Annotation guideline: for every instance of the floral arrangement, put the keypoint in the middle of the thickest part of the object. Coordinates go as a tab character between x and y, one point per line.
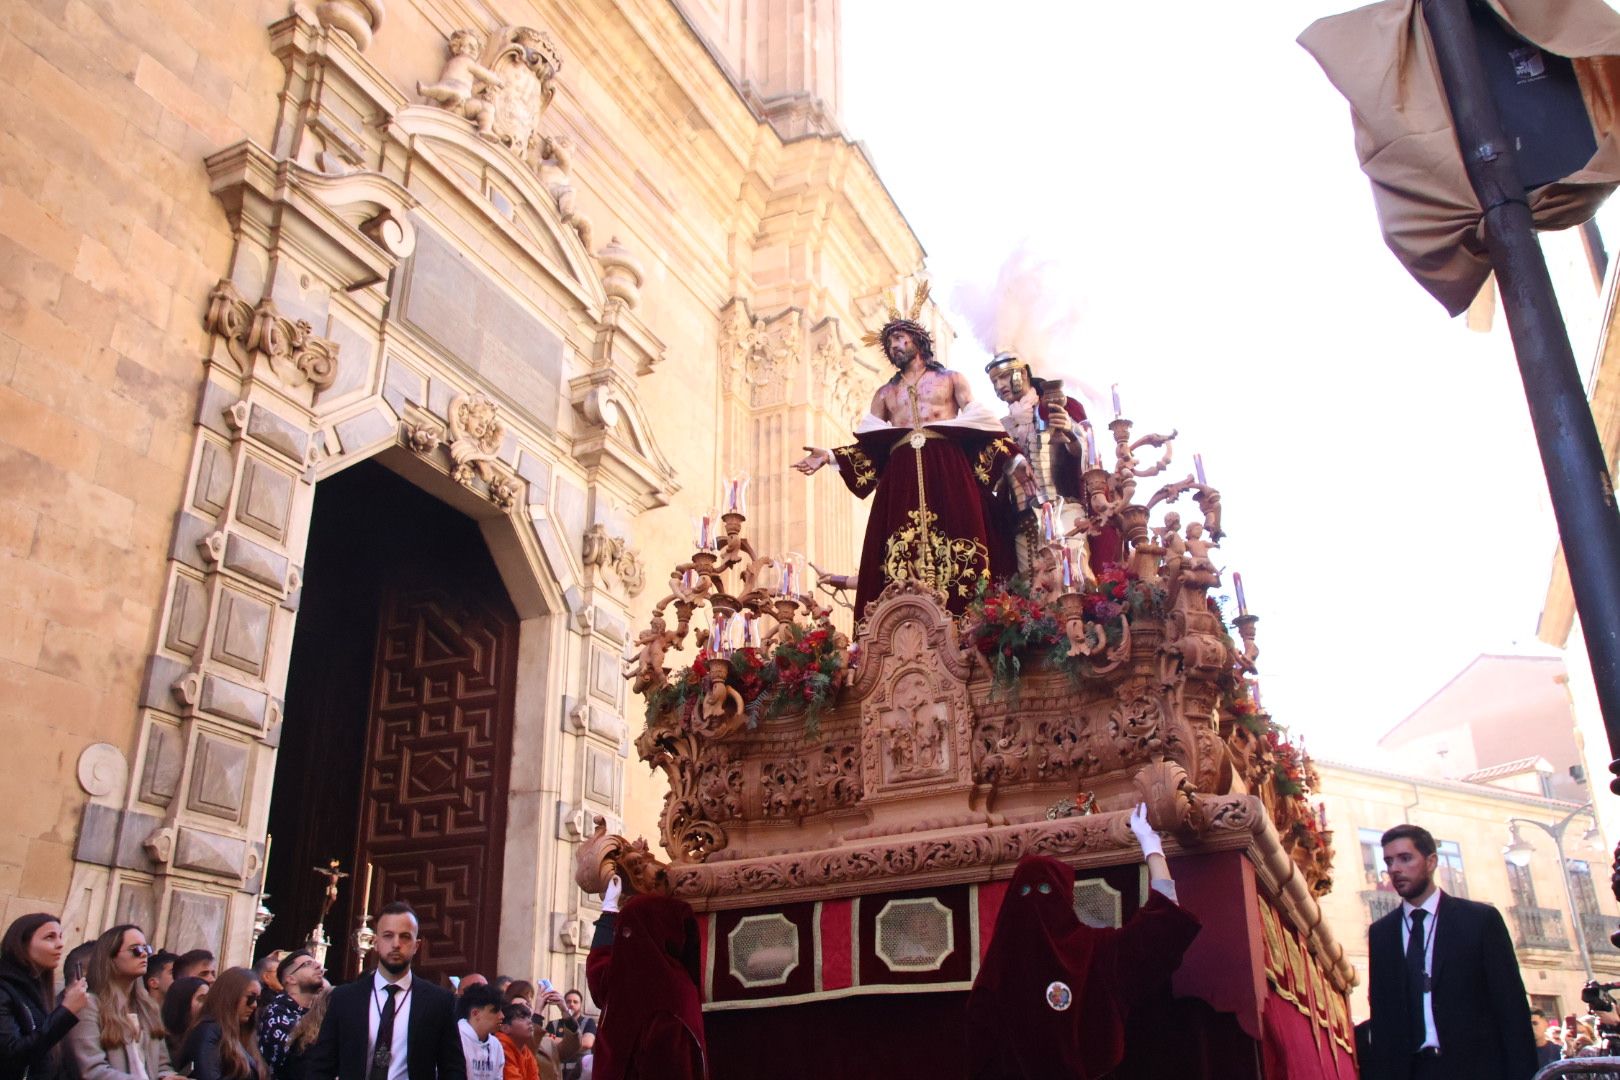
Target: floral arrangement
808	669
1007	625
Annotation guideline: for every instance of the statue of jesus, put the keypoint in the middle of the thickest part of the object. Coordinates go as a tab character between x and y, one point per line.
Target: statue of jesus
931	458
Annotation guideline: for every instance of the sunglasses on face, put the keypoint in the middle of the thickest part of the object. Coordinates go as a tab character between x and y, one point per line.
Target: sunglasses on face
251	1000
141	950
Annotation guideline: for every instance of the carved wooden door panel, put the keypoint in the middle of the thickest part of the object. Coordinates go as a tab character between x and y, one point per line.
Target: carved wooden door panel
433	816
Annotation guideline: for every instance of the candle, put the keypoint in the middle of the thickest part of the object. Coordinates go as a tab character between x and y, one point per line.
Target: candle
1321	816
365	902
1255	687
1048	522
736	494
1198	467
1117	412
1068	567
1091	444
750	632
704	534
689	579
792	573
1243	604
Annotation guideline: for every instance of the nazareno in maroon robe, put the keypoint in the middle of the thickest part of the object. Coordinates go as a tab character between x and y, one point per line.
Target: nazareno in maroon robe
1053	994
933	517
643	973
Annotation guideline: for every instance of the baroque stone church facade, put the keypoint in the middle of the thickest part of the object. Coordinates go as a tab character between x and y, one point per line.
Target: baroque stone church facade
364	363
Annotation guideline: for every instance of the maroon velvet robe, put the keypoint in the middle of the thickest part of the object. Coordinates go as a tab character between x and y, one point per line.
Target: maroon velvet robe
643	973
933	517
1019	1025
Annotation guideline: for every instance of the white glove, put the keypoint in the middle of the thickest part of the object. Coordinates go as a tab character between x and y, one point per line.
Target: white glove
610	895
1151	844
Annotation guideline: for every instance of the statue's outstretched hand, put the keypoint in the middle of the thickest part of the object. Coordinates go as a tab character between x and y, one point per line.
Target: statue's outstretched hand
1145	834
813	460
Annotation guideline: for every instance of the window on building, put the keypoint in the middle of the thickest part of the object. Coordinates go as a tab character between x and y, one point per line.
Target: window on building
1520	887
1585	892
1550	1006
1449	875
1372	860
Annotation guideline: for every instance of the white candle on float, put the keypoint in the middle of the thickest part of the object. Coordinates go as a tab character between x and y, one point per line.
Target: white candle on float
1068	567
1198	467
1117	411
1243	603
1091	445
735	495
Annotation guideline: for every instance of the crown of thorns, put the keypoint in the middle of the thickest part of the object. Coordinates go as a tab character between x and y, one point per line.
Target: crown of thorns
906	321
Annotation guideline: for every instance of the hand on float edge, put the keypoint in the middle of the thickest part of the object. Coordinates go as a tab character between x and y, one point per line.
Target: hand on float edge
610	895
1145	834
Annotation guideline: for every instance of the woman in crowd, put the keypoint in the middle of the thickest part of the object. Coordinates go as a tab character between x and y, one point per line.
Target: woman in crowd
32	1025
224	1042
182	1005
304	1033
119	1035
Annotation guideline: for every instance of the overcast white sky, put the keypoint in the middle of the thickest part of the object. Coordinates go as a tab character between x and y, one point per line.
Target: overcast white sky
1193	167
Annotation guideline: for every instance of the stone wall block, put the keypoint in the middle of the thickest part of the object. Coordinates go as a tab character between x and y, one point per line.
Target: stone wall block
215	473
231	700
242	631
163	764
188	614
219	777
209	853
265	500
602	775
196	921
257	562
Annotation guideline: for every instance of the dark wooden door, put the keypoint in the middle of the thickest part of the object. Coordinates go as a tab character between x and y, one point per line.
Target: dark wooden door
439	744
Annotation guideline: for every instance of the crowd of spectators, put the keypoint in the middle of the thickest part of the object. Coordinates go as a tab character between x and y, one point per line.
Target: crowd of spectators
128	1011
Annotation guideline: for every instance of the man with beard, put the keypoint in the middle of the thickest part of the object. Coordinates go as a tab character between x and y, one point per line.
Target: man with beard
302	978
1444	989
931	458
390	1026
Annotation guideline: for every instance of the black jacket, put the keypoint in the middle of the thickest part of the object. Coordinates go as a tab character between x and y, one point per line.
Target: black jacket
201	1053
30	1034
1481	1014
432	1047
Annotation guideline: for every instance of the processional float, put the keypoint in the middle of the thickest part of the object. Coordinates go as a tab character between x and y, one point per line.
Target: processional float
844	814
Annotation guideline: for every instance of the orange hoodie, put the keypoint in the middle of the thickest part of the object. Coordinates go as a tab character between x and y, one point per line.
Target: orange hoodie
521	1063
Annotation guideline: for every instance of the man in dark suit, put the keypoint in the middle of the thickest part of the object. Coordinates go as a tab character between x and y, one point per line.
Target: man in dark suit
1446	997
389	1025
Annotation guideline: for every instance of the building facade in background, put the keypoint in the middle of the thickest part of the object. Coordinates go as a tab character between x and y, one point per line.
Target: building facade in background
363	365
1469	821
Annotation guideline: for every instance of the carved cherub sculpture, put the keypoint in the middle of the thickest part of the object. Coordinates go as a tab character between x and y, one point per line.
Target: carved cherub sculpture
1046	578
647	666
457	85
556	172
1198	560
1085	638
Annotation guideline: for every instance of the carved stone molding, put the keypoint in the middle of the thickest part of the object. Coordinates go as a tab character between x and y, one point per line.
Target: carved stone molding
358	20
758	356
614	556
289	349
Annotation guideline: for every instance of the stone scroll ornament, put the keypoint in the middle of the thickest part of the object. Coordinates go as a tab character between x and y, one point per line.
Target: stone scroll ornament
606	855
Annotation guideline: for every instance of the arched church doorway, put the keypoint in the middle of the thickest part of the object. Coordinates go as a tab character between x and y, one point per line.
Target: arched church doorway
397	735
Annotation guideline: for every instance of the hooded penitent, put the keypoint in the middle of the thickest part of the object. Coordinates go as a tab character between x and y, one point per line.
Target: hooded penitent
1053	994
646	983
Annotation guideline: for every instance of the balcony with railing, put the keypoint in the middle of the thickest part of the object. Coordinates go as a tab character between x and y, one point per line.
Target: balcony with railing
1596	929
1539	928
1380	902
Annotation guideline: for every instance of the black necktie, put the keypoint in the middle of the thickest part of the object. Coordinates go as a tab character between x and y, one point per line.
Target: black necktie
382	1057
1416	979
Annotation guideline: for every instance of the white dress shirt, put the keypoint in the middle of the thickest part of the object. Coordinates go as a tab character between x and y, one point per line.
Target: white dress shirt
1431	1038
402	1022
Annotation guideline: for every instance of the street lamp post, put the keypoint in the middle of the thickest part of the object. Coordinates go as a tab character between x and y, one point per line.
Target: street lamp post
1518	853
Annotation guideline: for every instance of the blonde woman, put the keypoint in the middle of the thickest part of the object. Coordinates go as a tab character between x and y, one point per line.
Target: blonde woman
304	1033
119	1035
